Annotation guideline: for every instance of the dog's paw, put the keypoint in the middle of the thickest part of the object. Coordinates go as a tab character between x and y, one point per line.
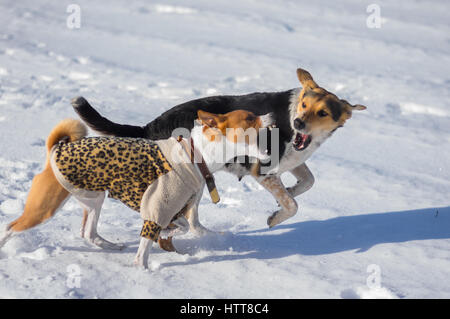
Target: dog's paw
140	264
271	221
166	244
104	244
290	190
200	230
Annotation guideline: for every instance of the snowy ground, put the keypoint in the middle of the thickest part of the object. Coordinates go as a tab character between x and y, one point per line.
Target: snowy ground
375	224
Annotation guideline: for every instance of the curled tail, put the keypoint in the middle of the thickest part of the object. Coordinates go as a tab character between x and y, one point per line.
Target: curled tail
69	129
46	194
101	124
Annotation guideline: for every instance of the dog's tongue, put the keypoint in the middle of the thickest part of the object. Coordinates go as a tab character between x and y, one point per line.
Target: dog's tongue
300	140
304	138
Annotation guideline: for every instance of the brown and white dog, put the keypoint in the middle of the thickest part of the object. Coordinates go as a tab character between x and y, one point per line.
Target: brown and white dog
305	118
79	166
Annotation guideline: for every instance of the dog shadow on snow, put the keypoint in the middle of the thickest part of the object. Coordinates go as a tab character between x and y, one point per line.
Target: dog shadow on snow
322	237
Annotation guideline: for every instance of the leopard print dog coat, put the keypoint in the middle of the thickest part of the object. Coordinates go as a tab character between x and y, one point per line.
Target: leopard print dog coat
127	168
122	166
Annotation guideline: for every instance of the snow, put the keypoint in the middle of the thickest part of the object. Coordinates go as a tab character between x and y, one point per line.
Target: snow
376	224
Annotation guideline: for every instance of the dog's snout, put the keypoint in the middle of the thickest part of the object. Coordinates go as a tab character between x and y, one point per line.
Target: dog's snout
299	124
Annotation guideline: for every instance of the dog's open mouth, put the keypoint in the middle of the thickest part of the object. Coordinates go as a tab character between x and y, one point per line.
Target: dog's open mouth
301	141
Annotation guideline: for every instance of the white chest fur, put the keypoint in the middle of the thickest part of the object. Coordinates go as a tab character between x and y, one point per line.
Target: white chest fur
293	158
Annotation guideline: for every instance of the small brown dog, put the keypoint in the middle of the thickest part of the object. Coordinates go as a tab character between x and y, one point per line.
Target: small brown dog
156	178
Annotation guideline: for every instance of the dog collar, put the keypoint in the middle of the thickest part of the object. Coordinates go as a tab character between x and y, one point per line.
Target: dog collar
203	168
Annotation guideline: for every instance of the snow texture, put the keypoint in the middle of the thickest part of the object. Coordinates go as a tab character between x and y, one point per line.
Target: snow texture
376	224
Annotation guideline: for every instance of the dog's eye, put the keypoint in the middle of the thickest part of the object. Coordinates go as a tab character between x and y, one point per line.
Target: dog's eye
322	113
303	105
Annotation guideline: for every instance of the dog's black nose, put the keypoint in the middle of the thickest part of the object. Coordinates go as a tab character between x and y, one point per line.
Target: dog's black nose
299	124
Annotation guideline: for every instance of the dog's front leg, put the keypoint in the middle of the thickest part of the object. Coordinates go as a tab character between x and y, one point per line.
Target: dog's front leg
305	180
192	216
288	204
190	212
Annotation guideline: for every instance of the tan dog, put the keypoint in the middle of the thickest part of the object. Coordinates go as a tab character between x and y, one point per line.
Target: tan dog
88	167
315	114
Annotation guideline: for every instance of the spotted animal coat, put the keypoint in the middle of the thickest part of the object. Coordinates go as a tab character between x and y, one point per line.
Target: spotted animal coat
135	171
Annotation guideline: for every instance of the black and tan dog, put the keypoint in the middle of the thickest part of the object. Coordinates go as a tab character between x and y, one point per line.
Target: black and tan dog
305	118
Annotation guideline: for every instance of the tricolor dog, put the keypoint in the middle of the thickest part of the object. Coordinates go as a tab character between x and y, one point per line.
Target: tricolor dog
305	118
160	179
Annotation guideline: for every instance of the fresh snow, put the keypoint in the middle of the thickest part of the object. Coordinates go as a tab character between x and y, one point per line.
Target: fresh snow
376	224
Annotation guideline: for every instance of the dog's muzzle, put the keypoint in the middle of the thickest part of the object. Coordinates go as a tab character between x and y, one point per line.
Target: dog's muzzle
299	124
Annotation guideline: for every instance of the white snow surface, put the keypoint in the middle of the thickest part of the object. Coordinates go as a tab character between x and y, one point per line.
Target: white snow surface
376	224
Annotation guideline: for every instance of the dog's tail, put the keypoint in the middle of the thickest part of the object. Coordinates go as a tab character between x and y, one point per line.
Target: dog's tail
101	124
46	194
69	129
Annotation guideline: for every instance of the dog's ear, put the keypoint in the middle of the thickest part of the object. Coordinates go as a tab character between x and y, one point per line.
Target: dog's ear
207	118
306	79
356	107
359	107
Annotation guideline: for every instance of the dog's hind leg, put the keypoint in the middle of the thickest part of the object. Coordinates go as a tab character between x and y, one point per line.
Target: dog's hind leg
45	197
288	204
92	206
305	180
83	222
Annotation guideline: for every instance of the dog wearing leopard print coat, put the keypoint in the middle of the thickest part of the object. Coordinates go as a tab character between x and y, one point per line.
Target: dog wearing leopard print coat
155	178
